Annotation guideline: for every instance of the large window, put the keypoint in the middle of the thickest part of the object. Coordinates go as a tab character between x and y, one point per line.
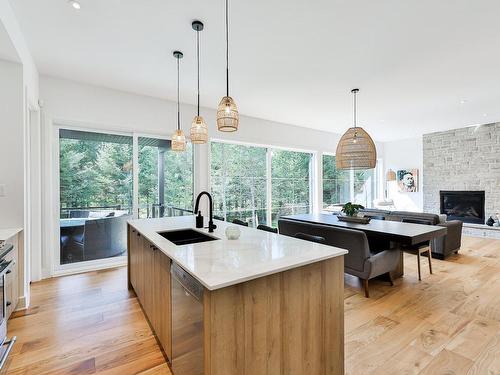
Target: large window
238	177
364	187
95	172
342	186
291	183
336	183
258	184
165	179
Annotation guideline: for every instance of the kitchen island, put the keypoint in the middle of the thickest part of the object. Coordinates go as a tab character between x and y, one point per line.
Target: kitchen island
261	304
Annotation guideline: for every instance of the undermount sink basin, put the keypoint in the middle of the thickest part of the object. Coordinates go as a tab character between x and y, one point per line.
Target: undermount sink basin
186	236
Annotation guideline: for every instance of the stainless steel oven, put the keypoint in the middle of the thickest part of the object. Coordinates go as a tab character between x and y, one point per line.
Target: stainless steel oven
6	345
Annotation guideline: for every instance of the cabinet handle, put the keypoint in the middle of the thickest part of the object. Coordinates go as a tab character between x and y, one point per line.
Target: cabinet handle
8	271
8	303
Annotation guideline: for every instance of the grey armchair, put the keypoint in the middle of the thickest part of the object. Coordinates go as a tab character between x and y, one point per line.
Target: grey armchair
360	261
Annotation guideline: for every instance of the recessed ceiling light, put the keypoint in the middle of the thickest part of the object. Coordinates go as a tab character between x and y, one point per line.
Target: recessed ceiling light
75	4
463	101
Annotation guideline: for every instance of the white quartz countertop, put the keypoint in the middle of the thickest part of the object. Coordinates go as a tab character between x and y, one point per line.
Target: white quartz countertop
7	233
221	263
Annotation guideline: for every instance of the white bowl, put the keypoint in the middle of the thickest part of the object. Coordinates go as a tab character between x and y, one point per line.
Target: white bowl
233	232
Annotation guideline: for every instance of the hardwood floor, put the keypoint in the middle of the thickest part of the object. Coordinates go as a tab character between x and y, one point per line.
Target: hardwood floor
449	323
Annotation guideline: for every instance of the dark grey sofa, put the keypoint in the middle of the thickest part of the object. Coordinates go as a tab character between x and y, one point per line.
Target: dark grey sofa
360	261
441	247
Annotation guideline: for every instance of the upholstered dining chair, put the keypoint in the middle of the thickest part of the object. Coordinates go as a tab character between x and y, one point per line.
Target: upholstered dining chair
419	248
359	261
267	229
240	222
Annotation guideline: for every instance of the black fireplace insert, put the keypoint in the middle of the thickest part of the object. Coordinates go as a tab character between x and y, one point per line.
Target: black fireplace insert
467	206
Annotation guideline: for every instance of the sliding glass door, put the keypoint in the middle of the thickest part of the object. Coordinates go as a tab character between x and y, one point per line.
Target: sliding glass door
165	179
95	179
96	195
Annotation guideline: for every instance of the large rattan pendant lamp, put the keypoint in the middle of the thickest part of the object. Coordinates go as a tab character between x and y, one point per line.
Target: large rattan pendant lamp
356	149
199	130
178	139
227	113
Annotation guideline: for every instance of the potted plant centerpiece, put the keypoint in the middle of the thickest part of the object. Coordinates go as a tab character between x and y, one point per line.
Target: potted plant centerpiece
350	213
351	209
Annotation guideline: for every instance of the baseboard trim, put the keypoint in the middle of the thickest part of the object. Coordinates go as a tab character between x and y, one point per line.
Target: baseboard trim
89	268
22	303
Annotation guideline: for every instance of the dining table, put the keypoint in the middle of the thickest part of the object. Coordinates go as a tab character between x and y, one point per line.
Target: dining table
399	233
72	222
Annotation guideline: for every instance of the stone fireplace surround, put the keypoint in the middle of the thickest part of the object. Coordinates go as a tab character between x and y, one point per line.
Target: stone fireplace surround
463	159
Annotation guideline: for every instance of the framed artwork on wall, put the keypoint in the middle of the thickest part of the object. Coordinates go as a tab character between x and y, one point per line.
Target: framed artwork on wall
407	180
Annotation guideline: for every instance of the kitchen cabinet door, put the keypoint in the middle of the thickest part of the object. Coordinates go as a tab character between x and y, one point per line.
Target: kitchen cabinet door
133	259
162	302
148	280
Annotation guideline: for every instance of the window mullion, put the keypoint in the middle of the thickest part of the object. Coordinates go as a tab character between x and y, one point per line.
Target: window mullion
269	190
351	184
135	176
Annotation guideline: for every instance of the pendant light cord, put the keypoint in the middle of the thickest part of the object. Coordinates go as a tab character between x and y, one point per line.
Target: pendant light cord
227	48
178	97
198	59
355	107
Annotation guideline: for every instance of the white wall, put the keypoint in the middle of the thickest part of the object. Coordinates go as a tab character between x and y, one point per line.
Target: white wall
20	140
404	154
102	107
30	72
11	148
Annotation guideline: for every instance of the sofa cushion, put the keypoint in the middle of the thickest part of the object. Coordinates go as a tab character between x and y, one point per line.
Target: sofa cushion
374	212
433	219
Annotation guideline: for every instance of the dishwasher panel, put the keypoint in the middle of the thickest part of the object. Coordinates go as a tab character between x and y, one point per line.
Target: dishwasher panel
187	323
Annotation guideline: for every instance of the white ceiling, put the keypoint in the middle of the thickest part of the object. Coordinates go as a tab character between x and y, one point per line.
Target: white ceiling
292	61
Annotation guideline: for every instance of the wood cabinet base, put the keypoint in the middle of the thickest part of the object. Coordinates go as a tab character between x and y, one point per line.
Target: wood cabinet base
286	323
289	323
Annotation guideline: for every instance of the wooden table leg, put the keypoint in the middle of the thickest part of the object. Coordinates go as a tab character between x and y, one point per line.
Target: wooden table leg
429	254
418	264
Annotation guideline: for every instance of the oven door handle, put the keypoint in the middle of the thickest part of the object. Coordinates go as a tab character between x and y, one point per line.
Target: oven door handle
6	353
6	269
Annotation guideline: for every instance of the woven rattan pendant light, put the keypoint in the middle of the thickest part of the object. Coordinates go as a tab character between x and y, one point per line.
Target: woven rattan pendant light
228	117
178	138
199	130
356	149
